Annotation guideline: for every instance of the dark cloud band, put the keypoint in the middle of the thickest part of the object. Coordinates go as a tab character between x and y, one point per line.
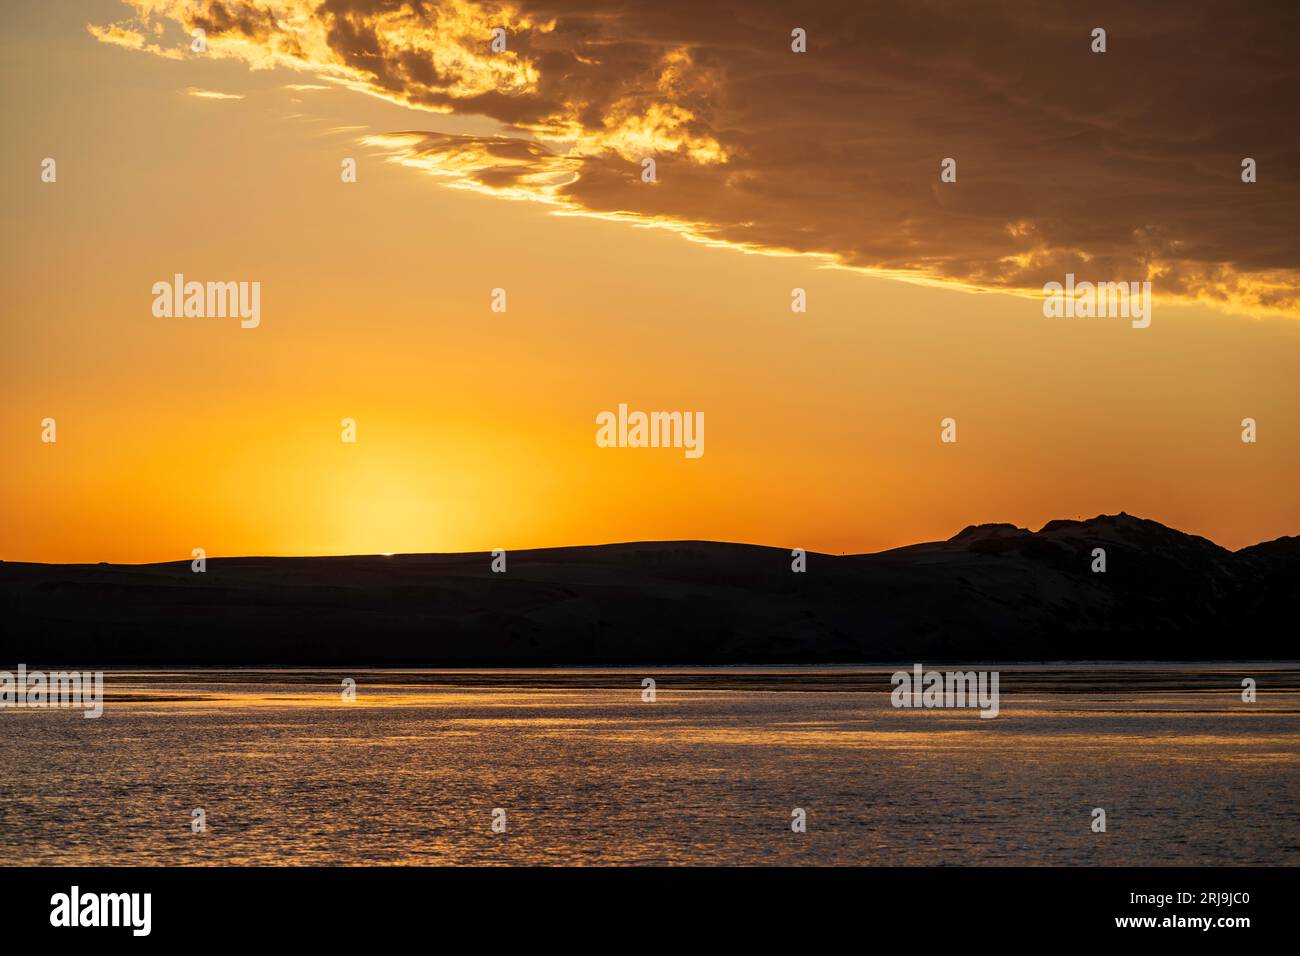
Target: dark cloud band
1121	166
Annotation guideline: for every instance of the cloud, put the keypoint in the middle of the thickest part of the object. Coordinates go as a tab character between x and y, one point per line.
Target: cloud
211	94
1123	165
116	35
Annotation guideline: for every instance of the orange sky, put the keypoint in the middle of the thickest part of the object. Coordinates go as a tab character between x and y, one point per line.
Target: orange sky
475	429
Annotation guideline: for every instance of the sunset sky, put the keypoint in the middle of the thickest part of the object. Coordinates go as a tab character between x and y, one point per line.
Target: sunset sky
776	170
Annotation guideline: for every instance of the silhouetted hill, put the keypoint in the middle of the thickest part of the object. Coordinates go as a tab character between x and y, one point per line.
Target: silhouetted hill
991	592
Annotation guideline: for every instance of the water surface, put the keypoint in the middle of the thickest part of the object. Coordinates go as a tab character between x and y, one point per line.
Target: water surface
288	773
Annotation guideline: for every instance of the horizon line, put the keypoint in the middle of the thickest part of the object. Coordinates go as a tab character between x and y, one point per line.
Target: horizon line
648	541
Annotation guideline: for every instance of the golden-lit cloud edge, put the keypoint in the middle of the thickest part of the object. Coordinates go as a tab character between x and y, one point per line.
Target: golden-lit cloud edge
1124	169
202	94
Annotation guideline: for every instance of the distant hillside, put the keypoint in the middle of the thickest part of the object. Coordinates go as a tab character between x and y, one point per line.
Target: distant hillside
991	592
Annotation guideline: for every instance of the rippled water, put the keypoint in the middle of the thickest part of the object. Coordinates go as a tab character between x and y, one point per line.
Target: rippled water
409	773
